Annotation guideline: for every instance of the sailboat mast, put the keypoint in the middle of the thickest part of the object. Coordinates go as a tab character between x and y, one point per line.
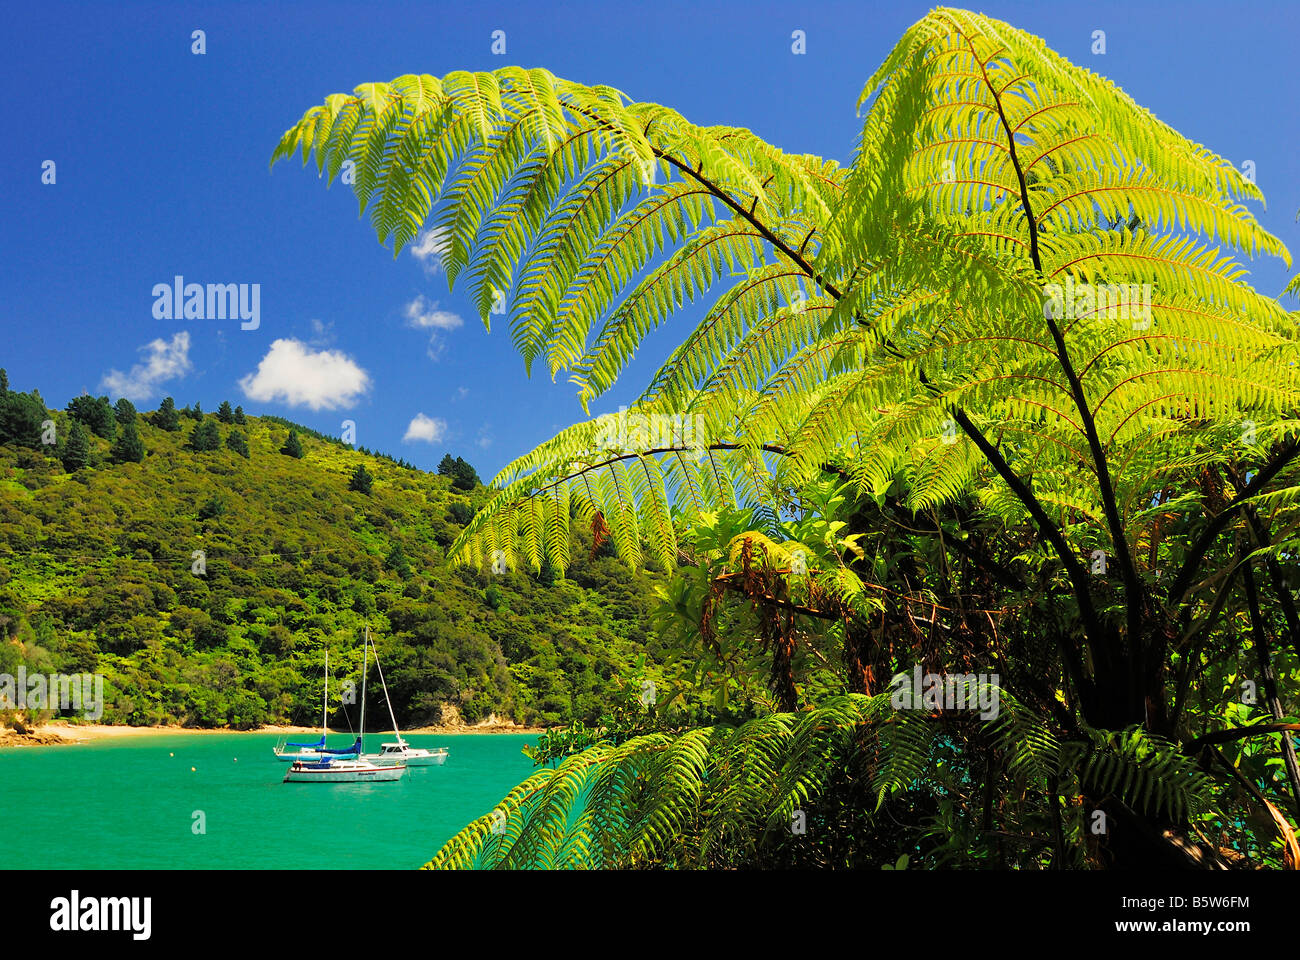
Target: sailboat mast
325	697
365	650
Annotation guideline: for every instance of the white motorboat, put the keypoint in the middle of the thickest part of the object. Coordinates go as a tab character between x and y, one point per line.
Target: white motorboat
414	756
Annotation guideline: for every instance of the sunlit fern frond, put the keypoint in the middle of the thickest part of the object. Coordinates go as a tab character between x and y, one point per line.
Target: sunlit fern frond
1016	242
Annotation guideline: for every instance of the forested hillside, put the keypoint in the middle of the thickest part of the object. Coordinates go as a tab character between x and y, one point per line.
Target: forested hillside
203	562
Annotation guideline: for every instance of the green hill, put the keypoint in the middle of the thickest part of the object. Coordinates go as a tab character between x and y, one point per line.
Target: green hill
97	574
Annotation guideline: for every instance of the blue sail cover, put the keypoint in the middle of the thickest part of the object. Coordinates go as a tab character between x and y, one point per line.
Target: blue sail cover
319	743
354	749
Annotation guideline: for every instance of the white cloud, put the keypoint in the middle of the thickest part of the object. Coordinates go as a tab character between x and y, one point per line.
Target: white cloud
301	377
423	315
484	439
427	429
430	247
163	361
323	333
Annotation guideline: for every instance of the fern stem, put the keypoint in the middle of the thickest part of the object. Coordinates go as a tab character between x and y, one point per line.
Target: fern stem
1134	594
1238	733
1263	539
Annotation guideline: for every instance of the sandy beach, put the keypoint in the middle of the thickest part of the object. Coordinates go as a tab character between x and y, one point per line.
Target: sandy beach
54	733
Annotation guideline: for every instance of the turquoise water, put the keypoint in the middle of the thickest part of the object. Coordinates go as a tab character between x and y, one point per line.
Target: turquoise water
129	803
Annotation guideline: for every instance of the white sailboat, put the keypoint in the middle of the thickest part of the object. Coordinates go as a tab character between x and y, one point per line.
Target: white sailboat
401	751
334	770
334	766
289	752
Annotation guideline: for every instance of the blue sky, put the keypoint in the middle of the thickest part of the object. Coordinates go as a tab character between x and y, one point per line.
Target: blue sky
161	170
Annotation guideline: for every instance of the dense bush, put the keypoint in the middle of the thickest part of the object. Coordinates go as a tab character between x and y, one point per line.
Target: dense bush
101	576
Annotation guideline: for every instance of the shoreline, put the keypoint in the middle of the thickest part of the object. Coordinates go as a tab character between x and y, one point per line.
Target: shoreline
59	732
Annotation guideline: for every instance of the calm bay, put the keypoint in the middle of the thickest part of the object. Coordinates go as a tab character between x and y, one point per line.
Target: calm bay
138	802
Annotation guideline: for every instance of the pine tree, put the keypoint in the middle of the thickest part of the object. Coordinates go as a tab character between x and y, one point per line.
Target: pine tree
361	480
205	436
238	443
124	411
166	418
293	447
4	381
128	448
96	413
463	476
224	413
105	418
466	477
21	418
239	416
397	560
77	452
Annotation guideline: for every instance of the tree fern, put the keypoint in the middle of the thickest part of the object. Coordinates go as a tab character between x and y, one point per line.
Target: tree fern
1024	298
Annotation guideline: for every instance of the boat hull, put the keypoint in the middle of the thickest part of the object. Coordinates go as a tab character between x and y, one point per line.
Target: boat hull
306	756
330	773
433	758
